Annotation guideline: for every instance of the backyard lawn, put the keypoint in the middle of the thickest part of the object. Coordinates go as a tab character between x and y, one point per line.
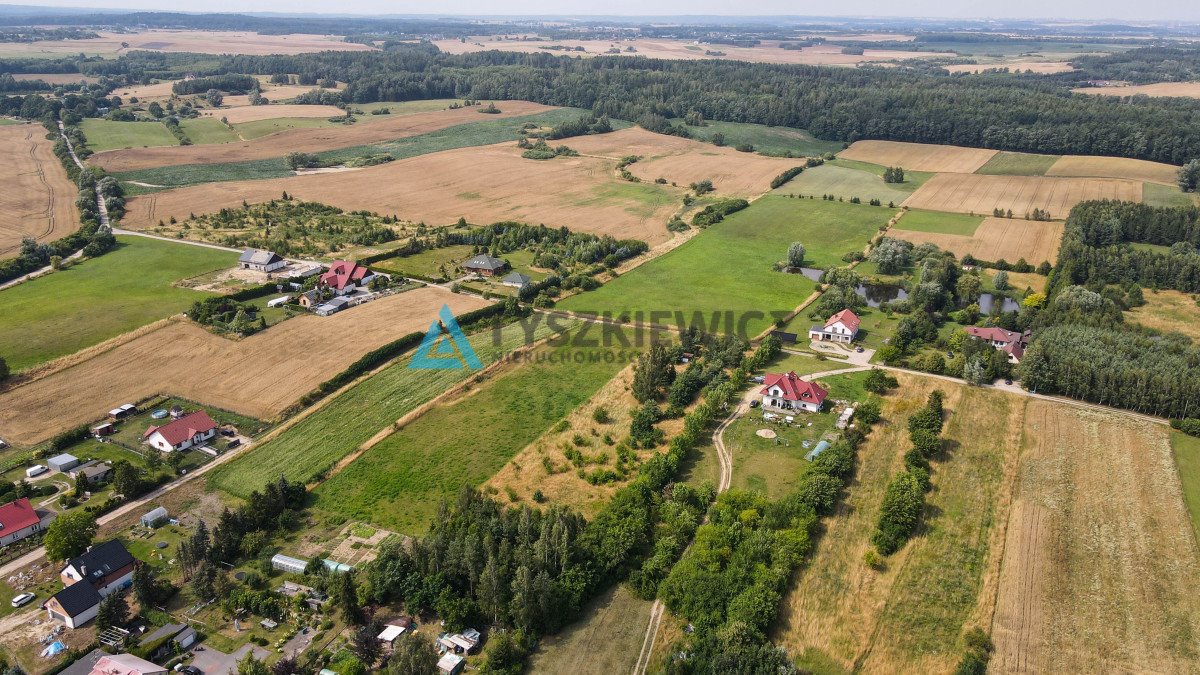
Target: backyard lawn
729	266
97	299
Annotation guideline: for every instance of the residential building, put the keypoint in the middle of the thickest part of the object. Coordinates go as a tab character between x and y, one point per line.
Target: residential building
841	327
186	432
516	280
18	520
1010	342
485	265
344	276
103	569
126	664
787	392
92	471
262	261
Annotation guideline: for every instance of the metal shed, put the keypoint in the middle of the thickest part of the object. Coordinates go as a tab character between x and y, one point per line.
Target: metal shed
63	462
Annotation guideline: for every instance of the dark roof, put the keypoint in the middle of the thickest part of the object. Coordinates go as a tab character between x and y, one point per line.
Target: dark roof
515	278
168	630
84	664
484	262
77	598
258	257
102	559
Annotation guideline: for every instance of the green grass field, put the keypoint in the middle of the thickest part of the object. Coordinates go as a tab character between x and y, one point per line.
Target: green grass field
316	443
846	179
107	135
485	132
260	128
4	121
728	267
939	222
1018	164
206	130
100	298
1156	194
1187	459
403	107
775	141
428	263
399	483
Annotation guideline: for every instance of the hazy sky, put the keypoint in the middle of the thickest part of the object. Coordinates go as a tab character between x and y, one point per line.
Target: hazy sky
1182	10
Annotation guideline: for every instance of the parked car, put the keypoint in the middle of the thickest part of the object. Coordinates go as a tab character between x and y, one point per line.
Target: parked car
23	599
753	404
1008	380
858	349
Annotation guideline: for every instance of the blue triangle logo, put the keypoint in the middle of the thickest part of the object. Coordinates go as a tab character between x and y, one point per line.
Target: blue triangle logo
447	350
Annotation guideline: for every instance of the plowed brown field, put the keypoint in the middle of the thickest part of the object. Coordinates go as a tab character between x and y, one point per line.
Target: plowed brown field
303	140
258	376
996	238
980	194
37	198
482	184
919	156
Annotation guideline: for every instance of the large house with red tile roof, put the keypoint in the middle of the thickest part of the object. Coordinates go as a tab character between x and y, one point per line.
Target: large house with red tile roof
841	327
18	519
343	276
188	431
788	392
1010	342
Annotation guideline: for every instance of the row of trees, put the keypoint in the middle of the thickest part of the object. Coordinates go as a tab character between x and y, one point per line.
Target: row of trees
904	498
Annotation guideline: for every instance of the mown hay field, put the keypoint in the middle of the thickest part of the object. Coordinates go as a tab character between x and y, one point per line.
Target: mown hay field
340	427
1182	89
481	184
258	376
305	140
919	156
1094	576
980	194
994	239
38	199
606	639
1115	167
253	113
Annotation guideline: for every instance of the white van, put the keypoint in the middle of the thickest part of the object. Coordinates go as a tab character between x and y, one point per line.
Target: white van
35	470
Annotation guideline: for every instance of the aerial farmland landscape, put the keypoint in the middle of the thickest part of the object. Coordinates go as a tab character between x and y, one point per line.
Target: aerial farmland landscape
428	339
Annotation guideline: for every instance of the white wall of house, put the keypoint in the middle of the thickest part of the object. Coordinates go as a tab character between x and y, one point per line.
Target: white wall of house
157	441
76	621
18	535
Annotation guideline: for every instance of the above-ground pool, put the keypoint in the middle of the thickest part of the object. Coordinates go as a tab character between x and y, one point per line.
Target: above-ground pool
159	414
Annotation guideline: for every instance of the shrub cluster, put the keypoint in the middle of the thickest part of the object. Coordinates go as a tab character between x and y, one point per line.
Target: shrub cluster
905	495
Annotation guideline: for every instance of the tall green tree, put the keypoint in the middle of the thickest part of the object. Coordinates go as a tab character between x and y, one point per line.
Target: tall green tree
413	654
69	535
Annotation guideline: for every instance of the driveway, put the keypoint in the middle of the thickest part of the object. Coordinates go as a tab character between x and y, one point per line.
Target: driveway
212	662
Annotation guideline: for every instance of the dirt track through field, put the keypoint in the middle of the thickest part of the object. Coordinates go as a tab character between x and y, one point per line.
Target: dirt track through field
995	239
37	199
1100	561
483	184
919	156
305	139
981	194
258	376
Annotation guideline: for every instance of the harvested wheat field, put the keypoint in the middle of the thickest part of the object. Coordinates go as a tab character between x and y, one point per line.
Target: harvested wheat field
38	199
304	140
1096	577
908	616
981	194
684	161
253	113
918	156
1039	67
482	184
995	239
1115	167
201	41
258	376
1182	89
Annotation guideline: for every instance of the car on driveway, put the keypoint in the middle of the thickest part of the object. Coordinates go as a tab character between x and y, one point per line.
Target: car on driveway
1008	381
858	349
23	599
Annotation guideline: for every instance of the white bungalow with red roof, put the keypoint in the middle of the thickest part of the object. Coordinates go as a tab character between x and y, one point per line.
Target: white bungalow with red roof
186	432
788	392
841	327
344	276
18	519
1010	342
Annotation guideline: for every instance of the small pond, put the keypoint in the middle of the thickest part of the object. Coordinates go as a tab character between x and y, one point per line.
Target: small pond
877	294
988	300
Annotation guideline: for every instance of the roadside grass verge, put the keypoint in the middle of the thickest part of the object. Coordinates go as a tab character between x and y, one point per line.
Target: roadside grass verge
729	266
100	298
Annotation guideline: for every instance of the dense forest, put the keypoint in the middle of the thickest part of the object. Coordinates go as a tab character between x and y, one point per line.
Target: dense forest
1139	66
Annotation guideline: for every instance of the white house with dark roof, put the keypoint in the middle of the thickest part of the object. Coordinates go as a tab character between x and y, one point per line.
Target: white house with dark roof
103	569
262	261
516	280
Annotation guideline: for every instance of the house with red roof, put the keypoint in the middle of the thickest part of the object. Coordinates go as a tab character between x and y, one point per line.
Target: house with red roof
18	519
1010	342
188	431
841	327
787	392
344	276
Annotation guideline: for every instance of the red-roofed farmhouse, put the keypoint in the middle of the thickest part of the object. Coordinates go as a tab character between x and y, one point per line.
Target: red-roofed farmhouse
789	392
841	327
187	431
19	520
1010	342
344	276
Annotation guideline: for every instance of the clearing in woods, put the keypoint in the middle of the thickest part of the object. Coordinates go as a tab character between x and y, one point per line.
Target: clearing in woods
919	156
399	482
606	639
38	199
258	376
1018	164
979	194
1093	575
483	184
1081	166
305	140
995	239
100	298
1169	311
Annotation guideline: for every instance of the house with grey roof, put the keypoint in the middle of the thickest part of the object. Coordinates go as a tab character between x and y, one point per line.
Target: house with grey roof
516	280
262	261
485	265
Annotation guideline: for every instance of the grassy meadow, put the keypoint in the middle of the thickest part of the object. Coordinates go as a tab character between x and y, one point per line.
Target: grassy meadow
1018	164
206	130
1157	194
1170	312
775	141
399	483
108	135
848	178
728	267
939	222
100	298
1187	458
